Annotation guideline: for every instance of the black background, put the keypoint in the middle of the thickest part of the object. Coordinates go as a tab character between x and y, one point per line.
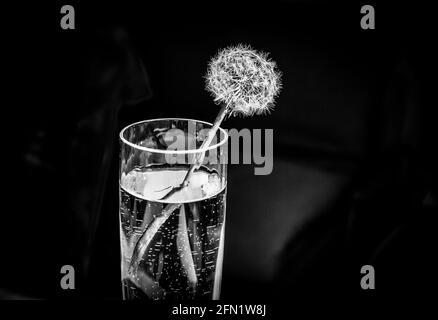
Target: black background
354	178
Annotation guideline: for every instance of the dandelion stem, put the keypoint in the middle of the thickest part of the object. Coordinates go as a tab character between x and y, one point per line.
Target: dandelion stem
199	158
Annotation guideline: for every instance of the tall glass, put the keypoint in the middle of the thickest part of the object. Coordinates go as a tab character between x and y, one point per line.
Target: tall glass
172	237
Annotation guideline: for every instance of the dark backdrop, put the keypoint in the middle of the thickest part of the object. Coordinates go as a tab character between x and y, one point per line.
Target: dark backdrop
354	179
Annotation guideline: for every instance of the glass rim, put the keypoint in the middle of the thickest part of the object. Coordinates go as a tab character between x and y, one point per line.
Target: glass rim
191	151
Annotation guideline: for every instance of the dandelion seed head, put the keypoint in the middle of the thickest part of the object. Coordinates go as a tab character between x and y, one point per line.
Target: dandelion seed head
244	79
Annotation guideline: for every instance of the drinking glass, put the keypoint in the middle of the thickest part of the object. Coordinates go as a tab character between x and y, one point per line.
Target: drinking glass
172	235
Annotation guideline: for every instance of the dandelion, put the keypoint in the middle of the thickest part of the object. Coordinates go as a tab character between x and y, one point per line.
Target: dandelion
243	79
246	82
